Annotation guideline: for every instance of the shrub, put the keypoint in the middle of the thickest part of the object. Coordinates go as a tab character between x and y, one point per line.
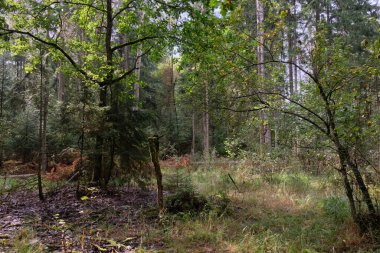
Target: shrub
185	200
218	203
336	207
189	201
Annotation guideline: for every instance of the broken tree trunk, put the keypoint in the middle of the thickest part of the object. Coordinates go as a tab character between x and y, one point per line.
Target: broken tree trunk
154	147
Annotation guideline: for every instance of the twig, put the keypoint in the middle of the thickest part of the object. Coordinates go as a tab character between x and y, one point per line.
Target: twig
232	180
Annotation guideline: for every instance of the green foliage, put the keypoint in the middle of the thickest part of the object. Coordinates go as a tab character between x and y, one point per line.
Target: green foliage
178	180
185	201
23	136
234	147
189	201
218	203
336	207
290	181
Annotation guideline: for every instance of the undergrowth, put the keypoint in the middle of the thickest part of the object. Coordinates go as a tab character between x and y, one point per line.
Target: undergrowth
276	211
243	209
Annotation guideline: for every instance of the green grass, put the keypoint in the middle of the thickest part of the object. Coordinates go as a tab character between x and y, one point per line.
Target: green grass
269	212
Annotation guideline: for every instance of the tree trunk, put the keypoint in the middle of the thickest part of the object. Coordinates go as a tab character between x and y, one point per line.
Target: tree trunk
265	135
290	58
154	148
2	86
60	85
1	105
173	105
206	122
347	186
42	130
294	46
98	167
136	86
193	134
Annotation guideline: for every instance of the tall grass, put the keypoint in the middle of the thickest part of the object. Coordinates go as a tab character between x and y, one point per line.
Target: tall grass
276	211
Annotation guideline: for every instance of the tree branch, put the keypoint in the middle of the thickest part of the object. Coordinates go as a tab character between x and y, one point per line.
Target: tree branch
126	7
242	110
73	3
167	4
130	71
299	104
55	46
129	43
305	119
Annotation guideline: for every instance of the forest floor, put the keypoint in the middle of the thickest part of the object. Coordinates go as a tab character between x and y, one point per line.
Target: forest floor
100	221
269	210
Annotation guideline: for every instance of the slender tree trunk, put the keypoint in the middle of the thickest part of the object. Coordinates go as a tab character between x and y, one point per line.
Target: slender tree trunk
344	154
42	132
347	186
290	58
136	86
1	106
60	85
174	105
98	168
154	148
2	86
193	135
265	135
345	160
295	58
80	167
206	123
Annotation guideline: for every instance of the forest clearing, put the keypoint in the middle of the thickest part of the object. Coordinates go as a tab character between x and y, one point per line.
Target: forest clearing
277	208
190	126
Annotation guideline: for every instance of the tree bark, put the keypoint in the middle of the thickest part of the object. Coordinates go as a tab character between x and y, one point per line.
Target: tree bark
265	135
295	45
98	168
42	128
290	58
154	148
193	134
136	86
1	105
206	123
60	85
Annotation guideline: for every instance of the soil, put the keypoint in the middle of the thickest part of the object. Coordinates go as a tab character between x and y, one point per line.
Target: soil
15	167
100	221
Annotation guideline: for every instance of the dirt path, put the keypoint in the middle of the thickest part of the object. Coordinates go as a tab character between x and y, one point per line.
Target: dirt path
112	221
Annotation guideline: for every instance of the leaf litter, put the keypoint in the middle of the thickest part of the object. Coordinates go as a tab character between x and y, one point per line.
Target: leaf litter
112	220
